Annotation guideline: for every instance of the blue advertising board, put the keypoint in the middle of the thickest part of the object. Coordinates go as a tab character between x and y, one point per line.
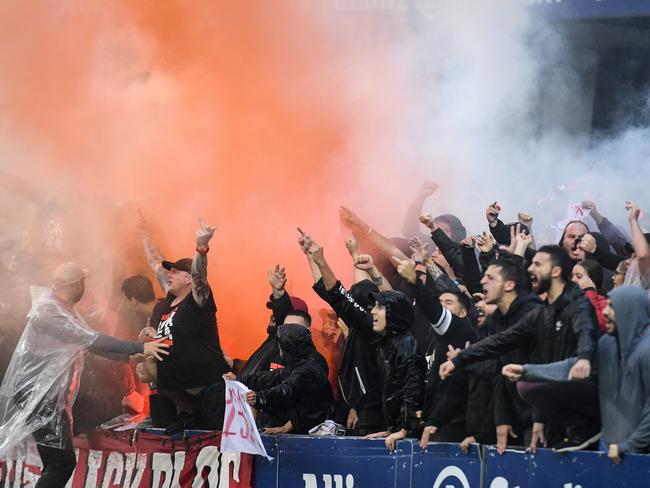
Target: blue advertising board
446	466
508	470
313	462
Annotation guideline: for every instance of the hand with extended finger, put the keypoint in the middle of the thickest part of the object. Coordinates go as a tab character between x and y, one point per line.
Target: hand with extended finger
406	269
305	241
484	243
634	210
428	431
353	247
523	242
203	234
503	432
316	253
537	437
419	249
492	213
277	278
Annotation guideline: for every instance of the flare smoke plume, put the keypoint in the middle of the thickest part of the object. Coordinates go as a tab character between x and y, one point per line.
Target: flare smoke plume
260	116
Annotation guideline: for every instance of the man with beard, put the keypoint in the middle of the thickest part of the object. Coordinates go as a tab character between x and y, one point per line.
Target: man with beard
624	385
504	286
565	326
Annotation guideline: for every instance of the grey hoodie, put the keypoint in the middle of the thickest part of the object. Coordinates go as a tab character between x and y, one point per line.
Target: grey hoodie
624	376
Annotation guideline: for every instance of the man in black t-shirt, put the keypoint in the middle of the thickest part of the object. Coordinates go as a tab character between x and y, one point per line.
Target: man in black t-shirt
194	376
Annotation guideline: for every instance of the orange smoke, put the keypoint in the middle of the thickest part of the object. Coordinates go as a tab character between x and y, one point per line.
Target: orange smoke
237	112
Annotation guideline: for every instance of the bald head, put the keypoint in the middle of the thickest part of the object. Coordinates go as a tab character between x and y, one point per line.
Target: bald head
68	282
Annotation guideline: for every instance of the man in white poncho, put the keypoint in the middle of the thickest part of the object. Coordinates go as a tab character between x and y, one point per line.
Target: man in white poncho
42	381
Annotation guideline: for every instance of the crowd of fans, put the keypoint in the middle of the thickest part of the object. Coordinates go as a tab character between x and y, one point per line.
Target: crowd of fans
443	337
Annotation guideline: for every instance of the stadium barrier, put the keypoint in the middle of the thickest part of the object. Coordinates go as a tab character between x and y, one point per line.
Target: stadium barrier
151	460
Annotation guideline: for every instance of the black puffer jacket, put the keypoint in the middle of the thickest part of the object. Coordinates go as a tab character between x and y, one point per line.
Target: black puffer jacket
304	390
565	328
401	368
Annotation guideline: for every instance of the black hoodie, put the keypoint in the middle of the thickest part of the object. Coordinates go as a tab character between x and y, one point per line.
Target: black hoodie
358	373
304	390
401	368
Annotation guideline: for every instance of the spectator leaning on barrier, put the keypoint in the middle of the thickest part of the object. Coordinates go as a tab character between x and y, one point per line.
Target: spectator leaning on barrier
566	326
624	375
401	368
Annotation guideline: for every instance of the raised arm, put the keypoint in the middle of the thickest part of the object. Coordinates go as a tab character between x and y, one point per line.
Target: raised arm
200	287
364	233
365	263
151	253
411	226
615	237
639	242
305	243
360	274
449	249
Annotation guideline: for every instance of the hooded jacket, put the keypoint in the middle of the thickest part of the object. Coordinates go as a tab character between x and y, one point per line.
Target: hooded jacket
304	390
358	373
624	373
401	368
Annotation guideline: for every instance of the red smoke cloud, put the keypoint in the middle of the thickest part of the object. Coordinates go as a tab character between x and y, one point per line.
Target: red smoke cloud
237	112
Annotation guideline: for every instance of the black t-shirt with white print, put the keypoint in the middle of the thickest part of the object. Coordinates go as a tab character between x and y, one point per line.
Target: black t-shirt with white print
195	357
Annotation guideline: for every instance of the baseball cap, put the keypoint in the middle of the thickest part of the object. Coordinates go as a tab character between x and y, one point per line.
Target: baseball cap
67	274
184	264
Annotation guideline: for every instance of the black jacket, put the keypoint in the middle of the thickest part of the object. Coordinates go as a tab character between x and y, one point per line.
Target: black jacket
358	373
401	368
450	250
567	327
449	330
302	388
470	397
509	407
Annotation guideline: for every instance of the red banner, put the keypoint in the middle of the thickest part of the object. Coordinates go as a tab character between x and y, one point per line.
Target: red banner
133	460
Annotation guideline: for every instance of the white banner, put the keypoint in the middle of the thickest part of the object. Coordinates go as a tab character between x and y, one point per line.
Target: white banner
239	430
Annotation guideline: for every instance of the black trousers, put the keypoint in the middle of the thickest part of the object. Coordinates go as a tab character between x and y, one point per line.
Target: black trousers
58	466
58	462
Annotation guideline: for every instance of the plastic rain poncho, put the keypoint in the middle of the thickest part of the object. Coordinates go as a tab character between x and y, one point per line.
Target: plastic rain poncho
41	383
